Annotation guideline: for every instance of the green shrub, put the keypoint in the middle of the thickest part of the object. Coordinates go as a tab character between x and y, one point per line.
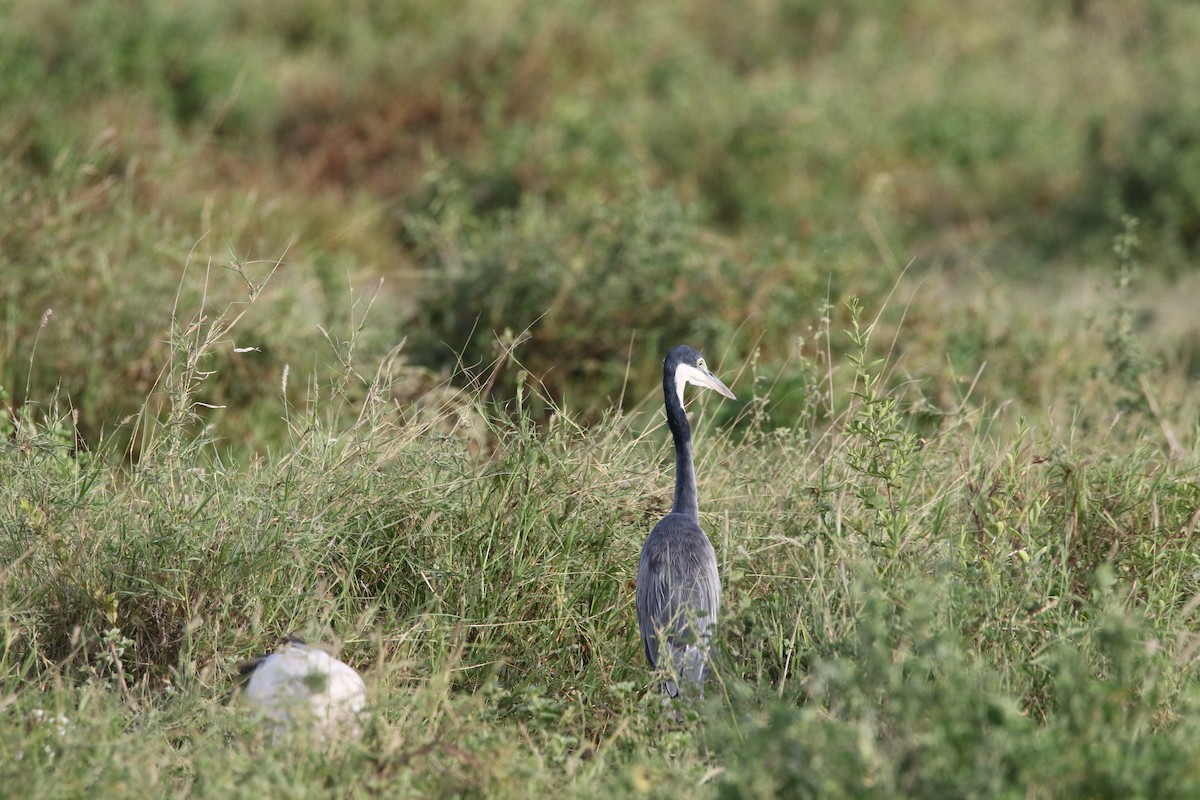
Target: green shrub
1149	167
581	294
904	709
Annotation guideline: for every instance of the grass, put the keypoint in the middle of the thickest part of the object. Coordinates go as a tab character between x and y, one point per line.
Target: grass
347	321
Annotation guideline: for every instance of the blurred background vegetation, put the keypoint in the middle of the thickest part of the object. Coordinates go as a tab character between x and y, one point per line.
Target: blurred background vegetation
592	182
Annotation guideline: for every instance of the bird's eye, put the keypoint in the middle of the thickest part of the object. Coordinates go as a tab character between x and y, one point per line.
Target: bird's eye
700	363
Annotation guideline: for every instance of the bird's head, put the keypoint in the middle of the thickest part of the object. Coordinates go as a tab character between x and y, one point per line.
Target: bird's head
685	364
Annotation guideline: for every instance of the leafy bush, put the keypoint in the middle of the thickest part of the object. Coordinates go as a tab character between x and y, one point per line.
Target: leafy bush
1149	167
581	294
904	709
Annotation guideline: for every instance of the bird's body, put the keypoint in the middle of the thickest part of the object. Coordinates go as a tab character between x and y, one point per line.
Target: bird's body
679	595
300	686
678	588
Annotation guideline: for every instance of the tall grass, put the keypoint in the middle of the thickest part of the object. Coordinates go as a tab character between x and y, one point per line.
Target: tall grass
910	607
347	321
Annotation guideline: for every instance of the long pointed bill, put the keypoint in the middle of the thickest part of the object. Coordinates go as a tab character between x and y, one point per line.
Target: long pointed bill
686	373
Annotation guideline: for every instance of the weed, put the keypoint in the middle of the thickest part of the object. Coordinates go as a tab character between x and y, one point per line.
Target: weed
879	446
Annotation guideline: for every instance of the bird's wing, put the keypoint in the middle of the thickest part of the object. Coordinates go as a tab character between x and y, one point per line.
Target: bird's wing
678	590
651	598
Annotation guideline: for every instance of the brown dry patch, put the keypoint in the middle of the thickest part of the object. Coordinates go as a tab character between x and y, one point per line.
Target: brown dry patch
374	141
376	137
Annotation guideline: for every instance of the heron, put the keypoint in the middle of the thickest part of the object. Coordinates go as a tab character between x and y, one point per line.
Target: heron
678	588
301	687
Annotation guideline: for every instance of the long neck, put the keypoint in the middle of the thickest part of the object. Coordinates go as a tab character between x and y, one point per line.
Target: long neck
681	432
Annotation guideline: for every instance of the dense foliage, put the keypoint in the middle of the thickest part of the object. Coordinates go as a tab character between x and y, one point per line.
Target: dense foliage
346	319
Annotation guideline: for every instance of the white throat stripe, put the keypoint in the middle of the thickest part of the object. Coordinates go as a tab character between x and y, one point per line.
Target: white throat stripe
685	374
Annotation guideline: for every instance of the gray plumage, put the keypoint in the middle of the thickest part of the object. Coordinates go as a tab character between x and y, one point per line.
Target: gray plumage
678	588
